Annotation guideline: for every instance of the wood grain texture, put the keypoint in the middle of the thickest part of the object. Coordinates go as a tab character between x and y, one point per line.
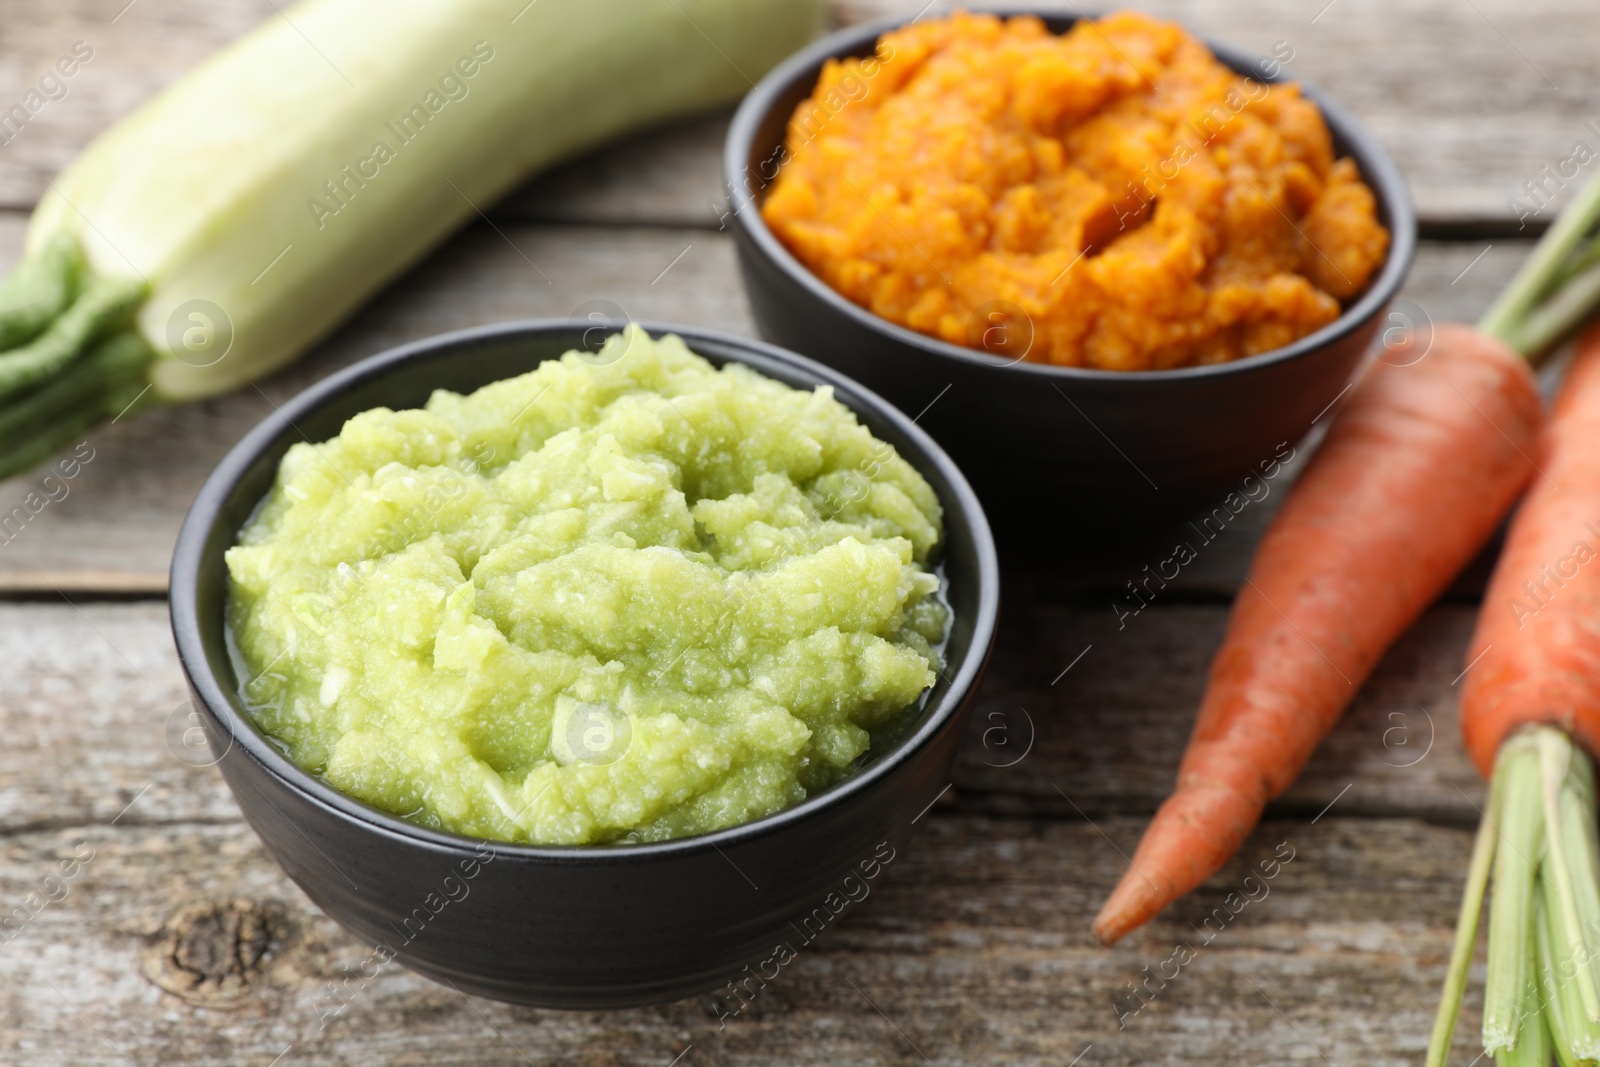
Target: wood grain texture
1472	99
122	512
1103	711
975	947
180	942
94	711
972	949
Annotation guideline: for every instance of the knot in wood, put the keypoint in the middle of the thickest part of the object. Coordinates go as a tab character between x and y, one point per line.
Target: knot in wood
210	952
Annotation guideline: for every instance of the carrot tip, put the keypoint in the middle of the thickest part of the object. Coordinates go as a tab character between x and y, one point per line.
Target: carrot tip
1106	934
1132	904
1192	835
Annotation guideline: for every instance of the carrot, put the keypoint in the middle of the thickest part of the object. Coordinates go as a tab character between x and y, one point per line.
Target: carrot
1536	652
1413	477
1533	687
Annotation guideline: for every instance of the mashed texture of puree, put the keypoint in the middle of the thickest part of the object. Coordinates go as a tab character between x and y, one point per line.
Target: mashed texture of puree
1113	197
625	595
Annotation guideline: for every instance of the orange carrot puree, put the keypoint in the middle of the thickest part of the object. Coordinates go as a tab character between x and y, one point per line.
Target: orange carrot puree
1115	193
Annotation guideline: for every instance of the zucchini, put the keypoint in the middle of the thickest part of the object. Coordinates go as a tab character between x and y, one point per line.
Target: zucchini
237	217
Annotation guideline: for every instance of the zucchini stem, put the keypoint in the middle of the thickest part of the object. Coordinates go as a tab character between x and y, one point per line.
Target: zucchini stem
104	304
70	353
39	290
95	388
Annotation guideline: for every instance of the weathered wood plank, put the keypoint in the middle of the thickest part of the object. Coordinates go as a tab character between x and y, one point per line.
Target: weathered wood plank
87	703
122	512
680	183
1473	99
1103	737
1080	717
976	946
973	948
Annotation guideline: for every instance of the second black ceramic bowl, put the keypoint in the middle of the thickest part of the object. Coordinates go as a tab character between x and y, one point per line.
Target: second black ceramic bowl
1103	448
590	926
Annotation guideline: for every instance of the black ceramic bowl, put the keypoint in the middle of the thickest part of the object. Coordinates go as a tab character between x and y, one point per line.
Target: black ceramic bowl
589	926
1109	448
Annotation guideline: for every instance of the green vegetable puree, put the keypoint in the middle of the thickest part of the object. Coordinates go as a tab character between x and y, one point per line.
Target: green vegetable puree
625	596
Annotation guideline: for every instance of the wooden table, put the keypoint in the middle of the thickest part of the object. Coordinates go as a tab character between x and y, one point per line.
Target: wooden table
180	942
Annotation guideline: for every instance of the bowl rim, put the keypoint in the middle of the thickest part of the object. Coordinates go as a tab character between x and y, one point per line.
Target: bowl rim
1378	170
222	705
